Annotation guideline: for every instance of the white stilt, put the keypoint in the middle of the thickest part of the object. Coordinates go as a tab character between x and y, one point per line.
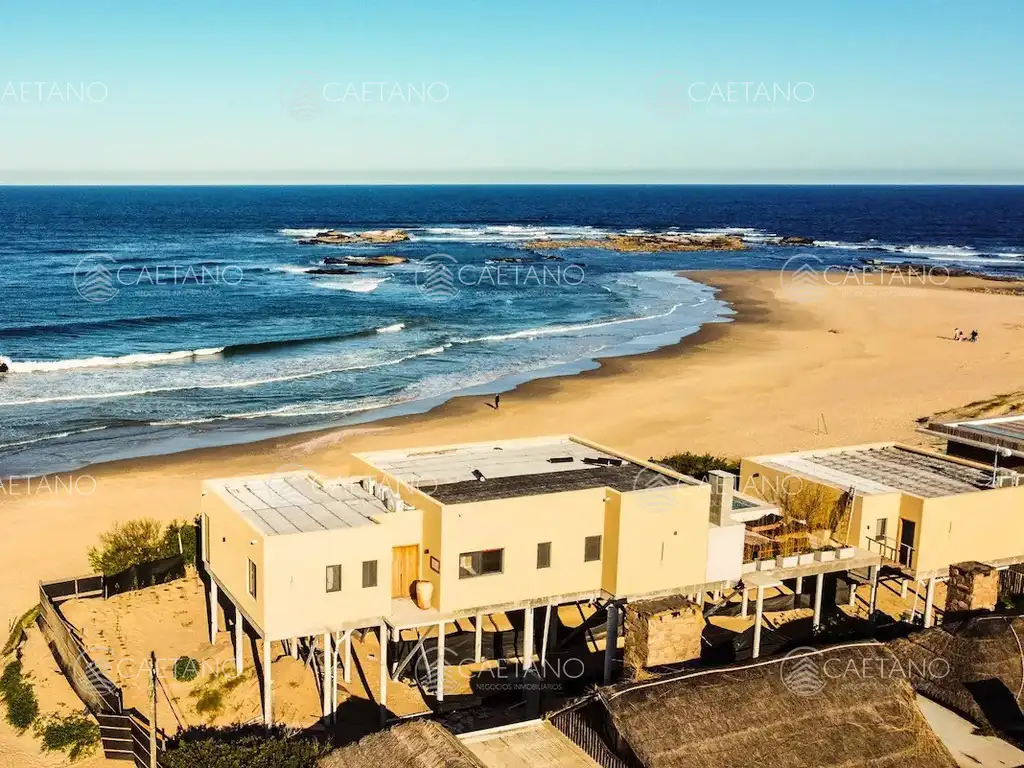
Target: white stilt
528	638
328	651
213	611
479	646
903	588
758	613
238	639
799	584
293	647
853	593
348	656
440	661
611	641
334	676
268	702
544	640
819	587
700	598
382	699
929	603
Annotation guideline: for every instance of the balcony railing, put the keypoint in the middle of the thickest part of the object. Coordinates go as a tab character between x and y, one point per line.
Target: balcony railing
892	550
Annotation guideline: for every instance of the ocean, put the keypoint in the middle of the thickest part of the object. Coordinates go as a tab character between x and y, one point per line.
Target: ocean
147	320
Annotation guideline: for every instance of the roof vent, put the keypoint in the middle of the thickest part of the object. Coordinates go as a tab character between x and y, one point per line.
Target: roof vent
479	475
560	459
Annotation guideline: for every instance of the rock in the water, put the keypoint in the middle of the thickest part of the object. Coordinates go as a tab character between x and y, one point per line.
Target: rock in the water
366	261
334	237
648	243
795	240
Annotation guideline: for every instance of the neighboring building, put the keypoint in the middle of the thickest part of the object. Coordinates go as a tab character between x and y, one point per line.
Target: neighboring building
997	442
498	526
922	511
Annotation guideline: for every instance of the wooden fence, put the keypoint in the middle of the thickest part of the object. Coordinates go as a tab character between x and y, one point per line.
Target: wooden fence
586	724
1011	582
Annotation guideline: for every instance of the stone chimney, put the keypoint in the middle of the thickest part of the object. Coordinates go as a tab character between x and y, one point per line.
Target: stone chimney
972	587
723	485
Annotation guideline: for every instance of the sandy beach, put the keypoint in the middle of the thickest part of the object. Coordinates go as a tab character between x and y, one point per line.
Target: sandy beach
796	369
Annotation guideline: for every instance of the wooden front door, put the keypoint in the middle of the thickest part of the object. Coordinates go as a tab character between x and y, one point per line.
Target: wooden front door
405	569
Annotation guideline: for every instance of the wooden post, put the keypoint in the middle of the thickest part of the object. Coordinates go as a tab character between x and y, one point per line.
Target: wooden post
479	637
440	661
819	587
152	721
268	702
758	613
238	639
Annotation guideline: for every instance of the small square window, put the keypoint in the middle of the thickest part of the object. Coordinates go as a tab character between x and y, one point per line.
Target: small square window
473	564
544	554
881	528
369	574
252	579
592	549
334	578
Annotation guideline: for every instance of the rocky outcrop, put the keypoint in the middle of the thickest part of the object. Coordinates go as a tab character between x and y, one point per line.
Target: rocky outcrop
795	240
332	271
334	237
366	261
647	243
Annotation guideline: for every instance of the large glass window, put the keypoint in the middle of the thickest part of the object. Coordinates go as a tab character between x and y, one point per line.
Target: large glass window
472	564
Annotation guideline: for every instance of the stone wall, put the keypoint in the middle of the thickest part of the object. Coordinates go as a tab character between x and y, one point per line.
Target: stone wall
665	630
971	587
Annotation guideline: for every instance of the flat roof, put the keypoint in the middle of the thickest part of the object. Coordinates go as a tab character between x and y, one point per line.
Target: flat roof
884	469
513	468
998	432
298	503
529	745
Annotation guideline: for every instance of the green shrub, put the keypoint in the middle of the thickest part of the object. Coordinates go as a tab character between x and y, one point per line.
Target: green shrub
698	465
19	697
186	669
75	734
134	542
18	630
241	747
210	702
180	537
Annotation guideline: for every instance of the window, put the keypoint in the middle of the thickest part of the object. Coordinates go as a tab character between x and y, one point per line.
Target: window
544	554
334	578
252	579
881	528
472	564
592	549
369	574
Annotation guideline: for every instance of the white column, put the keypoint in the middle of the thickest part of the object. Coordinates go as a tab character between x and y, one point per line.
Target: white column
874	589
238	639
213	611
348	656
268	706
382	699
334	678
544	640
929	603
528	638
903	588
328	650
819	587
293	647
758	612
853	593
478	622
799	584
611	642
743	603
700	597
440	661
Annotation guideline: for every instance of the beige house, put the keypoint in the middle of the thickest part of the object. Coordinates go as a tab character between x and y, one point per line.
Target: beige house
921	511
507	525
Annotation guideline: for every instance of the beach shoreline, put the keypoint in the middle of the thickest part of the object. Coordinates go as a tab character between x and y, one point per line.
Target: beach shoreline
846	365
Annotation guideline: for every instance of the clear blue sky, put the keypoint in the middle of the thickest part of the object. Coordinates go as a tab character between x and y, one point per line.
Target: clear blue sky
537	90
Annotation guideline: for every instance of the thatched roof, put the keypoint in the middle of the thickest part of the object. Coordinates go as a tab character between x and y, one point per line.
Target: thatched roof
416	744
974	667
744	715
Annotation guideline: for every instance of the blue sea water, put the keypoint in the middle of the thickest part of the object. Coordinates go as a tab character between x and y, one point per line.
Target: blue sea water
148	320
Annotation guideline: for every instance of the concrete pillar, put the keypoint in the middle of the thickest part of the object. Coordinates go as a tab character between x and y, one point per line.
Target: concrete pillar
479	644
611	640
873	597
929	603
819	588
328	652
758	613
213	611
744	601
440	661
382	699
268	704
348	656
238	639
903	588
853	593
799	585
544	640
293	647
528	638
700	598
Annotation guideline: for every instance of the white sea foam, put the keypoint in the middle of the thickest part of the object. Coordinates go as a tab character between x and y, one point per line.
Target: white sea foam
358	285
939	252
531	333
55	436
392	328
302	232
141	358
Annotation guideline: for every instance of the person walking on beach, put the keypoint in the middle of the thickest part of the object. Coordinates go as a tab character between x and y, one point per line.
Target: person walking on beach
957	334
974	335
497	401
